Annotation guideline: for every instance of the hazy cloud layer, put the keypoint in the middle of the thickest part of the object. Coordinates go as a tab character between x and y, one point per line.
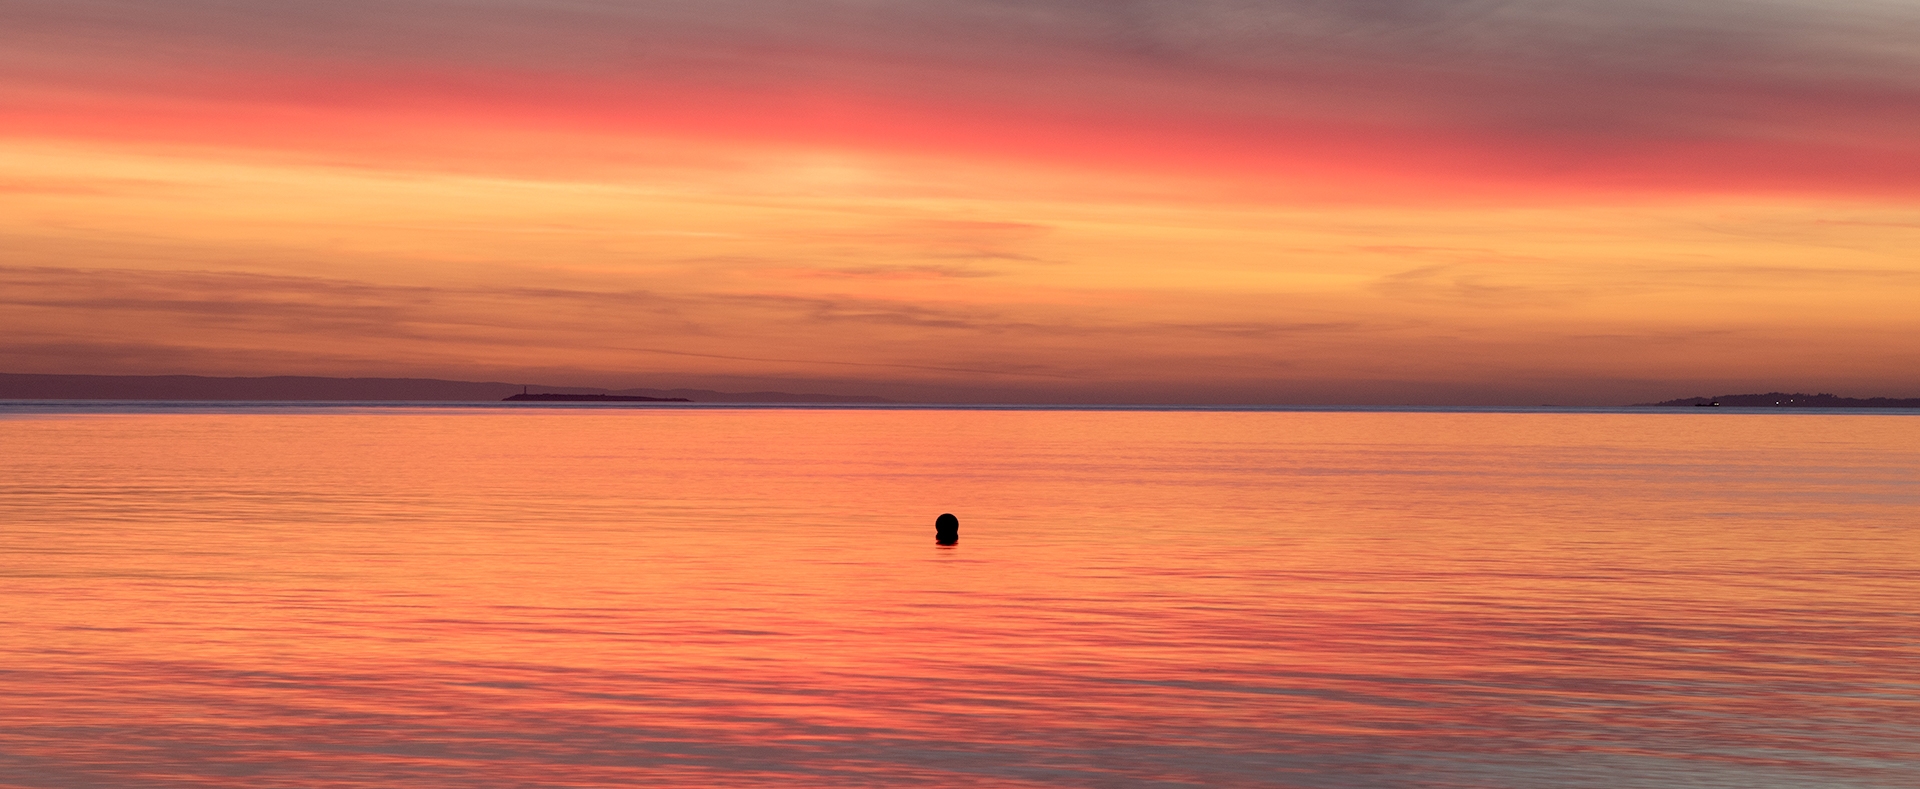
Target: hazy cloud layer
222	323
1702	94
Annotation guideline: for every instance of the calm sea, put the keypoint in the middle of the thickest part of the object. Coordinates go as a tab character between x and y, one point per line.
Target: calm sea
358	596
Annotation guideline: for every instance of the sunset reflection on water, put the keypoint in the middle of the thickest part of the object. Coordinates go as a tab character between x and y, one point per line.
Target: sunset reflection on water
726	597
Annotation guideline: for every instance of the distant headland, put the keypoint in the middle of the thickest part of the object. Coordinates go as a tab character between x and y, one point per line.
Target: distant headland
1786	400
25	386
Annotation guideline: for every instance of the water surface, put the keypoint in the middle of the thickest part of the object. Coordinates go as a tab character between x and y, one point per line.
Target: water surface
564	597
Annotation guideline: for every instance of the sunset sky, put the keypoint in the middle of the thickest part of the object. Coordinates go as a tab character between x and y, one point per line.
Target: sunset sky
1263	201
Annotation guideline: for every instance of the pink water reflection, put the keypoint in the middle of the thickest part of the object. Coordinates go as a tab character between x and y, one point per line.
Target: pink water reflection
740	598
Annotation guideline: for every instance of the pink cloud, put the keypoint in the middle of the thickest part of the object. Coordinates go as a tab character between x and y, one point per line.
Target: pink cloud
1427	97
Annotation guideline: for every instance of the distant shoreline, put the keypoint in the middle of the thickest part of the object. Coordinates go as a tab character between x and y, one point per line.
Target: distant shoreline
315	389
33	386
1785	400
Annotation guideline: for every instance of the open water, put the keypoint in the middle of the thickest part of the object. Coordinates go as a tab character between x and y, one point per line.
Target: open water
347	596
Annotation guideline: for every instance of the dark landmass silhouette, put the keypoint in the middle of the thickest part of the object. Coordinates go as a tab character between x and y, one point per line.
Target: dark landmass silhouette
30	386
551	397
1793	400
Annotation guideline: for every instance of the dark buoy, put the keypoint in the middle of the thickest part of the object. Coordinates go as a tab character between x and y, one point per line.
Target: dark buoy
946	529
